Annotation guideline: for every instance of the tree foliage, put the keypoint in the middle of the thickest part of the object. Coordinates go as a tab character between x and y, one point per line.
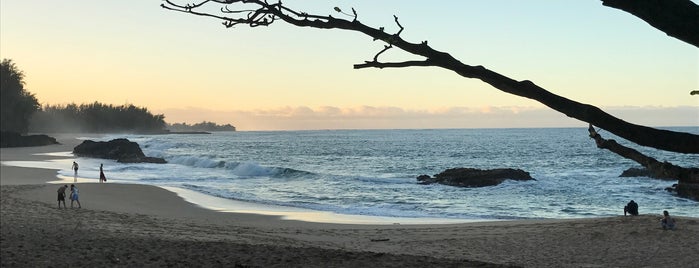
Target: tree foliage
203	126
16	103
97	118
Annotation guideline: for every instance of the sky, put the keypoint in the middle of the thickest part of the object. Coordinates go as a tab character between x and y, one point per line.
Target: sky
192	68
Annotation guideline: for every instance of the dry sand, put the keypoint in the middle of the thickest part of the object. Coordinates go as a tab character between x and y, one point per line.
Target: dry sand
139	225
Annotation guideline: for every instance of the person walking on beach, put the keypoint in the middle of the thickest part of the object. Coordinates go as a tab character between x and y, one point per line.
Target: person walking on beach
102	177
75	168
667	222
62	196
74	196
631	208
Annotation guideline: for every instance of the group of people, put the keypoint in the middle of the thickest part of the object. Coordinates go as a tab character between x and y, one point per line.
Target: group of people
74	196
666	222
75	176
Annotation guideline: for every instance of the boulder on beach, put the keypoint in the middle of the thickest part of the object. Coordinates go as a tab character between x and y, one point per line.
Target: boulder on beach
472	177
122	150
14	139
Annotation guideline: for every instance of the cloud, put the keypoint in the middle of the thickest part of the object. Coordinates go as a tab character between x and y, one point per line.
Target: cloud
387	117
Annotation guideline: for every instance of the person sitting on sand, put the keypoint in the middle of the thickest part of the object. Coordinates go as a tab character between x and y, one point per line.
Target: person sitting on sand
667	222
74	196
62	195
631	208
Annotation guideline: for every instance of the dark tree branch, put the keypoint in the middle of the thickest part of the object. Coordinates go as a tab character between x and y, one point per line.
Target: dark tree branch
688	178
676	18
381	65
642	135
376	57
185	7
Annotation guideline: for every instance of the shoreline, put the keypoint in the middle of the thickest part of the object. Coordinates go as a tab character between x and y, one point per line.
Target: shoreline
212	203
133	224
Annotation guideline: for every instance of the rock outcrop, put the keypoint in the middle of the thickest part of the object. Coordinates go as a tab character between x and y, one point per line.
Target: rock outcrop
14	139
472	177
636	172
122	150
688	188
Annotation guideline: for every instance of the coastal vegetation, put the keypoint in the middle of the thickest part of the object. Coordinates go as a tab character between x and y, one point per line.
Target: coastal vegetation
96	118
16	103
203	126
22	113
675	18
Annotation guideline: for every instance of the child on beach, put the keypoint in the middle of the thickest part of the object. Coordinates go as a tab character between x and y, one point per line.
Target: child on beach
667	222
62	195
74	196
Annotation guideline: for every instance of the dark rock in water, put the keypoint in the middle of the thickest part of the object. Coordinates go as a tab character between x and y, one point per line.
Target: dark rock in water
472	177
122	150
687	188
645	172
636	172
14	139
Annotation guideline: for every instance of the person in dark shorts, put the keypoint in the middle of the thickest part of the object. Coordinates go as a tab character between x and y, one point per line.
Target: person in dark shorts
62	196
631	208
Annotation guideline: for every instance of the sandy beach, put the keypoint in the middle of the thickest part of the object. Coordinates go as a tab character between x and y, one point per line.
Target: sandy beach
140	225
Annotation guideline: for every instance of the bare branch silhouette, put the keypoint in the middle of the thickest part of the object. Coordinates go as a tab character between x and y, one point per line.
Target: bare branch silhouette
264	14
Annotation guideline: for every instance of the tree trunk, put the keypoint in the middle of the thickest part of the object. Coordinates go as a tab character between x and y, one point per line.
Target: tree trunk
677	18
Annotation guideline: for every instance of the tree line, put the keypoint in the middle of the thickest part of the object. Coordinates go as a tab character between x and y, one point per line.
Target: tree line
20	112
203	126
96	118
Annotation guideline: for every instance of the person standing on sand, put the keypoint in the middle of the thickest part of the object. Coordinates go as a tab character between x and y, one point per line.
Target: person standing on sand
631	208
75	168
102	177
74	196
62	196
667	222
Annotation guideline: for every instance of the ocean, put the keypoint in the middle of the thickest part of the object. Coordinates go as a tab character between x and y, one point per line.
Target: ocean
373	172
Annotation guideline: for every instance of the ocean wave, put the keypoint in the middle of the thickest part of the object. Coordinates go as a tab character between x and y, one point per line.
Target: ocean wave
239	169
196	161
141	167
573	178
252	169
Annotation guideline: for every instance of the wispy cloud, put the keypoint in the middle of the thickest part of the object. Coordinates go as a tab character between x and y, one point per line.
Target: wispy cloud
373	117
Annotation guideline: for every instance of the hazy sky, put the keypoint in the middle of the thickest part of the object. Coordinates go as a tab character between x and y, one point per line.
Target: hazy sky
192	68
